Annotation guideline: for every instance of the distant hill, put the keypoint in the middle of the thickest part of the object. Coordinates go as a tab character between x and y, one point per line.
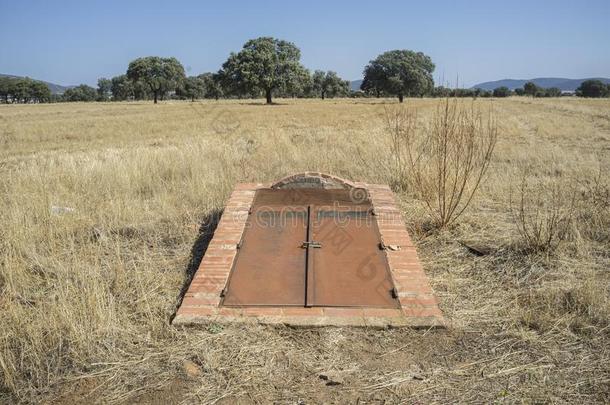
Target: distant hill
55	88
355	85
546	82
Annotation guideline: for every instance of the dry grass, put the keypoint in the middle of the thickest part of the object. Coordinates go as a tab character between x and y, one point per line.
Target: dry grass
544	213
86	294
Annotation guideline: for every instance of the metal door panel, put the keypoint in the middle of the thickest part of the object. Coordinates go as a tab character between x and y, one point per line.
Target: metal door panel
349	270
270	265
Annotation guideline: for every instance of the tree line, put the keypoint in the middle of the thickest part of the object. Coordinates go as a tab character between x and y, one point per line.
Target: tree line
269	67
265	67
23	90
592	88
529	89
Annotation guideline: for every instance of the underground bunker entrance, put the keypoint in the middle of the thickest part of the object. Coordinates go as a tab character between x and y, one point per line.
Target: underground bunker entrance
310	247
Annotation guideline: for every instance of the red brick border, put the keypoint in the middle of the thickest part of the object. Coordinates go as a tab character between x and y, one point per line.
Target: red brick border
419	307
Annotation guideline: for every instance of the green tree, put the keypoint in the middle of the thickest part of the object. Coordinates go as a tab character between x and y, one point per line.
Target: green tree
442	91
369	85
193	87
80	93
121	88
401	73
104	89
553	92
329	84
592	88
22	90
502	91
317	83
141	91
461	92
159	74
519	91
6	87
40	91
531	89
300	84
212	85
265	65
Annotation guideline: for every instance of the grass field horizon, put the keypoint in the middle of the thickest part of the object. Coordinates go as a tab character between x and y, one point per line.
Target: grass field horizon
105	207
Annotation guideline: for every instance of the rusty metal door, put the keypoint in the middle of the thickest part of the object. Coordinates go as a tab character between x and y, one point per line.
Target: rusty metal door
350	269
310	247
270	265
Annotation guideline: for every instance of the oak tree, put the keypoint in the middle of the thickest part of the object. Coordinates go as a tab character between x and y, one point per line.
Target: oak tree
329	84
401	73
104	88
159	74
264	65
592	88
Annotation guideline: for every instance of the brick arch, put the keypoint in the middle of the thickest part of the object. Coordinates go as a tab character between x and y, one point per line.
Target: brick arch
313	180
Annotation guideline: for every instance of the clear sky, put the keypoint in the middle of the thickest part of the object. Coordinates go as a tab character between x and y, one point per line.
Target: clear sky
73	42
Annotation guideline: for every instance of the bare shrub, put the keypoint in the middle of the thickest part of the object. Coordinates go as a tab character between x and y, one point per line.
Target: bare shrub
445	161
543	213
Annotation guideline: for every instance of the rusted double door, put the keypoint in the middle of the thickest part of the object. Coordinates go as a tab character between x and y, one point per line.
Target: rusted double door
310	247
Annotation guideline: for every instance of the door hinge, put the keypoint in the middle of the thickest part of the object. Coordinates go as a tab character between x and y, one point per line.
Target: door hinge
383	246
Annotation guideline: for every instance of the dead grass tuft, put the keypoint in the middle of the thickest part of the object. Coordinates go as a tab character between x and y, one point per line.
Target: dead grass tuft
543	213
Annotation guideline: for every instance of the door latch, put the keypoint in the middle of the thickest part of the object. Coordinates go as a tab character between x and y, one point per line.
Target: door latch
312	244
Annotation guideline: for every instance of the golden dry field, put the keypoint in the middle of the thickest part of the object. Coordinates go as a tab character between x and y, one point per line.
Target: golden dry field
105	209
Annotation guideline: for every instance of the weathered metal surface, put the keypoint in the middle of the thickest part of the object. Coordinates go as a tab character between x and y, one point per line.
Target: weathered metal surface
303	197
270	265
350	269
310	247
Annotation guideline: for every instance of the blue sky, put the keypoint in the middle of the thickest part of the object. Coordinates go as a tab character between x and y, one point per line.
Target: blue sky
72	42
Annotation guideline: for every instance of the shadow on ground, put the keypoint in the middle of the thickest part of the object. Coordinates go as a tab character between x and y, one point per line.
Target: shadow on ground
200	246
